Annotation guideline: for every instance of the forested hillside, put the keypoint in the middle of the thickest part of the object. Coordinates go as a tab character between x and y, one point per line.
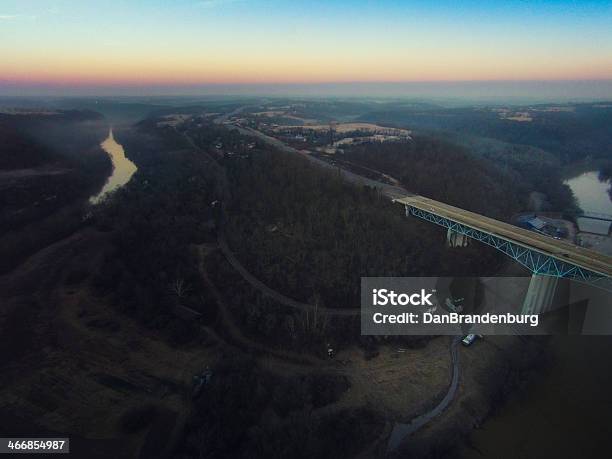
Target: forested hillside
49	163
571	132
313	236
491	178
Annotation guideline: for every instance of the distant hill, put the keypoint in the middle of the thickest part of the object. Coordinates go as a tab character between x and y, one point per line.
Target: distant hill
570	132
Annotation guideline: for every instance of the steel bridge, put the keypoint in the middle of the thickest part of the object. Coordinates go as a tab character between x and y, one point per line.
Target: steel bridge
542	255
594	216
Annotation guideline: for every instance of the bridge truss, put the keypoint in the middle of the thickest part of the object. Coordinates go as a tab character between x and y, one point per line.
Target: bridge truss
534	260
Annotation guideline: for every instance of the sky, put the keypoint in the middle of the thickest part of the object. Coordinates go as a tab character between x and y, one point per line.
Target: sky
181	46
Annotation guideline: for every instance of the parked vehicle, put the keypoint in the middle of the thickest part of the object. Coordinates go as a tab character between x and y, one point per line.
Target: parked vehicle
469	339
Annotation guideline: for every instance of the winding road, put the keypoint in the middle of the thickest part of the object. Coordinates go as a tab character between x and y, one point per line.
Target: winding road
401	431
277	296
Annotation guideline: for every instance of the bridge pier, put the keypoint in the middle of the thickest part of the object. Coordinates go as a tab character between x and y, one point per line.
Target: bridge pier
540	294
455	239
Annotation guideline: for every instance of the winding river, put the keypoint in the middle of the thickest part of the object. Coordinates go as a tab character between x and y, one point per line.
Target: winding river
123	168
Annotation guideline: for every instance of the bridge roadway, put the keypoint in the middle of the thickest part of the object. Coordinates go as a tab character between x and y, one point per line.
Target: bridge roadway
555	248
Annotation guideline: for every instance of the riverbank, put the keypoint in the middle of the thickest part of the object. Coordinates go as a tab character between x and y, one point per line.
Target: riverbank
574	169
492	372
50	166
593	196
564	413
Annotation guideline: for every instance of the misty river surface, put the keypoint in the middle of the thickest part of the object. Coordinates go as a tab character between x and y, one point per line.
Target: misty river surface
123	168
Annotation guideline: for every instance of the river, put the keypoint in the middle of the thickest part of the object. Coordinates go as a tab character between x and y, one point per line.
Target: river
123	168
567	411
592	196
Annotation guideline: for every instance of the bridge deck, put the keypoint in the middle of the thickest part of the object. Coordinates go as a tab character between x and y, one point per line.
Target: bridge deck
556	248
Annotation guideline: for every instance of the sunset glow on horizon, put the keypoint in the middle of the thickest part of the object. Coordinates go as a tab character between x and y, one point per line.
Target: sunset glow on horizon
187	43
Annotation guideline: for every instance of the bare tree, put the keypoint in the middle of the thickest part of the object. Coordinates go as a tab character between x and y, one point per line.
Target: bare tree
179	288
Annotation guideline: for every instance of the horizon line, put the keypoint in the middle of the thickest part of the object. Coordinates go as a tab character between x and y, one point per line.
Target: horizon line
178	83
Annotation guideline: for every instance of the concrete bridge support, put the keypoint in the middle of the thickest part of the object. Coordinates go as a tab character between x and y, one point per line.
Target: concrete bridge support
455	239
540	294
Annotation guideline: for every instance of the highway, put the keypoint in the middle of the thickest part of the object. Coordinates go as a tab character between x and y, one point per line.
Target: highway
392	191
556	248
